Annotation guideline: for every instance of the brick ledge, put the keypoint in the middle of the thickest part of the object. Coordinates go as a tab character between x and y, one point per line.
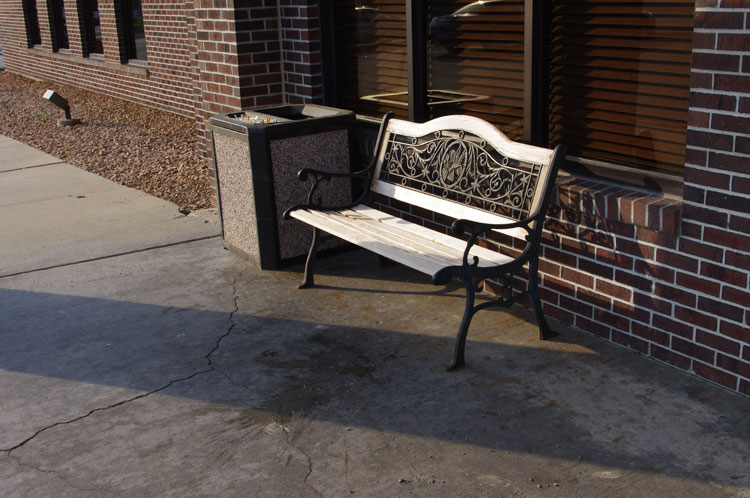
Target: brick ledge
580	197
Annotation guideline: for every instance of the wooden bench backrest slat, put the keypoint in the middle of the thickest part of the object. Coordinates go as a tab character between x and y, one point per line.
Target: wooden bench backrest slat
463	167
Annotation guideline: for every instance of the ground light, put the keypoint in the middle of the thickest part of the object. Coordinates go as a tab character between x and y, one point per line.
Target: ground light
60	102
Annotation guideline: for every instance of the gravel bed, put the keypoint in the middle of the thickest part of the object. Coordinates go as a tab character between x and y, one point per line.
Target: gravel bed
146	149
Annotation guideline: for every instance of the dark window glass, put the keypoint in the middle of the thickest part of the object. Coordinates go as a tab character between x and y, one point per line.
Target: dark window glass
475	61
609	79
620	81
135	39
371	56
33	33
90	13
58	24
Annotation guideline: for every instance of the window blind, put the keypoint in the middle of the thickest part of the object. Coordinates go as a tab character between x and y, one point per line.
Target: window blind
619	84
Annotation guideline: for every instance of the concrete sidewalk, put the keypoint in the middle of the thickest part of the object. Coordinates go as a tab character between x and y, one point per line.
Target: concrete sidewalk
139	358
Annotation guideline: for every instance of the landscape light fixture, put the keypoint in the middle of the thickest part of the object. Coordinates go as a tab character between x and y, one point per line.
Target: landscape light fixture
60	102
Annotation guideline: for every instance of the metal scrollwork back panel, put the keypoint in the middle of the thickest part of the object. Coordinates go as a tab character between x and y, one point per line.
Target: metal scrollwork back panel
463	168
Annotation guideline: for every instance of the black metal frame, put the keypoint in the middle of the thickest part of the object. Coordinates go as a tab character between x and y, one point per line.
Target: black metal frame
469	272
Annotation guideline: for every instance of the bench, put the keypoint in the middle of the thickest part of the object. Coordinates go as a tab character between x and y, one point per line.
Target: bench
461	167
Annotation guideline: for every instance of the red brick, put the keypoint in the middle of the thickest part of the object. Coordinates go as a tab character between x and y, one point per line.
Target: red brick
731	42
744	387
588	266
719	20
560	286
704	41
652	303
670	357
715	375
654	271
614	290
715	62
594	298
693	350
612	320
724	274
701	250
739	332
717	342
706	178
658	238
634	248
614	258
695	157
727	239
650	334
593	327
576	306
737	260
631	312
559	314
577	277
673	327
696	318
727	162
630	342
634	281
709	140
721	309
677	260
714	101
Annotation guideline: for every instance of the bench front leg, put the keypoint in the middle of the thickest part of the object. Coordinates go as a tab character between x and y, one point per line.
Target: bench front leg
309	278
458	349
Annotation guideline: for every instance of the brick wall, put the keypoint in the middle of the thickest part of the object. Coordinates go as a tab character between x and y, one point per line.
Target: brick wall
166	83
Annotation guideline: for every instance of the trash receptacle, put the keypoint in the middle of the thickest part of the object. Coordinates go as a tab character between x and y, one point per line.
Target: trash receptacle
257	154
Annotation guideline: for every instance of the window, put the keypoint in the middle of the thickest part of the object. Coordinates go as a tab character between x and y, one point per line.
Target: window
608	79
33	34
58	25
92	30
133	34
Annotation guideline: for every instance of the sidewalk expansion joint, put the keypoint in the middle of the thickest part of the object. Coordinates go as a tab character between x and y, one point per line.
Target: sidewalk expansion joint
32	167
117	255
207	357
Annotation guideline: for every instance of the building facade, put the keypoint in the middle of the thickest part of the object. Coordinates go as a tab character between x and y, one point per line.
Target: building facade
648	244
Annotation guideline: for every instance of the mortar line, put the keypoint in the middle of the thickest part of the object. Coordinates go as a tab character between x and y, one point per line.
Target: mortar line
99	258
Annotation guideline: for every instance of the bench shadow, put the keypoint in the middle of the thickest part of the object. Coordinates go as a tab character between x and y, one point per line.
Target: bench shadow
575	399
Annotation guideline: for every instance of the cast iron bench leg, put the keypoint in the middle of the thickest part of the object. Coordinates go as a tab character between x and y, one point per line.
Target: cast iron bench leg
463	329
545	331
309	279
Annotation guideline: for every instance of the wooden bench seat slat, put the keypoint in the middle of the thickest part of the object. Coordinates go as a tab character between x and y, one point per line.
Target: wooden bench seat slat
413	245
495	258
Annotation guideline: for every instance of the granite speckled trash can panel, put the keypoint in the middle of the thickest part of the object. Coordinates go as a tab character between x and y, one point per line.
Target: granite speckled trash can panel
328	151
257	155
236	201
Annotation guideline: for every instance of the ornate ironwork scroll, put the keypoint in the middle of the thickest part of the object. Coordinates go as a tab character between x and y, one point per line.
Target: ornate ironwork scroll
463	168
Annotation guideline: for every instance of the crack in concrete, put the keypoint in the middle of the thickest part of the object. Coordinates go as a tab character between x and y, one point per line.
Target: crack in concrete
57	474
169	384
289	443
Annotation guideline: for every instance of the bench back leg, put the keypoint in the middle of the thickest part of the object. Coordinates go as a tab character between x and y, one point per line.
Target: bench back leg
545	332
